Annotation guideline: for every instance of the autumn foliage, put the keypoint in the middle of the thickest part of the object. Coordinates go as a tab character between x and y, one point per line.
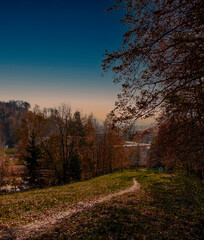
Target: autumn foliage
160	67
58	147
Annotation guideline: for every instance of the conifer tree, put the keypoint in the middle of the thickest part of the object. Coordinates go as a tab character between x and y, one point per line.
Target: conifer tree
32	161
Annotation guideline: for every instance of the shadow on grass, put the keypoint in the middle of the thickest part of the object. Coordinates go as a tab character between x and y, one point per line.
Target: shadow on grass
166	210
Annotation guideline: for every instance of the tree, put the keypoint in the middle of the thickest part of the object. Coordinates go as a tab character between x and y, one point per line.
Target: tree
52	159
10	115
3	165
77	136
32	161
161	57
137	156
160	66
75	165
179	143
2	138
112	145
60	123
31	132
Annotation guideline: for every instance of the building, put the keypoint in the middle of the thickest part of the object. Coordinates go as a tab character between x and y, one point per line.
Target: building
137	153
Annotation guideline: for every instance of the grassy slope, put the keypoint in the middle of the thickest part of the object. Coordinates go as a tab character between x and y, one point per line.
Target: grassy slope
21	208
163	209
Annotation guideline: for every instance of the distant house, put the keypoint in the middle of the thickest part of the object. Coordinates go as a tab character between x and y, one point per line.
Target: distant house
137	153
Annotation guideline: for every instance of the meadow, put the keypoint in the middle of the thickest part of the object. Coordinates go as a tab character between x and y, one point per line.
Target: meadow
166	207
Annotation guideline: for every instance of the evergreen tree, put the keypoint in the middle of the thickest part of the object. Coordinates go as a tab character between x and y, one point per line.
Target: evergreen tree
32	159
75	166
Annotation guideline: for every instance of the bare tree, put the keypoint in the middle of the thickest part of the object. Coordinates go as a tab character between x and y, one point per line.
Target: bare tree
3	168
161	57
60	123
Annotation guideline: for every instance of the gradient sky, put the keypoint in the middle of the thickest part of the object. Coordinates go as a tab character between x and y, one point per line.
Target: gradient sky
51	52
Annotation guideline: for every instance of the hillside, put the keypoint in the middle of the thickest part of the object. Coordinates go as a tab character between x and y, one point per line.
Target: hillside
10	115
163	208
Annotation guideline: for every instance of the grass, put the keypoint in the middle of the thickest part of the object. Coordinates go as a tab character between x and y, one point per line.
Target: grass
21	208
165	208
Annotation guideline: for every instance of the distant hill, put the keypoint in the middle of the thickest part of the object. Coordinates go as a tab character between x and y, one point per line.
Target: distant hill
10	115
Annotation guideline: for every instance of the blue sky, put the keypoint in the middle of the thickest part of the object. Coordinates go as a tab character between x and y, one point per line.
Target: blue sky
51	52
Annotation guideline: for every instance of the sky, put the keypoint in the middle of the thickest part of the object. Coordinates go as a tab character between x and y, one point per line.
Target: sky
51	53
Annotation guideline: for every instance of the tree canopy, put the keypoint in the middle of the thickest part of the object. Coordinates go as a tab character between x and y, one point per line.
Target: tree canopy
10	115
161	59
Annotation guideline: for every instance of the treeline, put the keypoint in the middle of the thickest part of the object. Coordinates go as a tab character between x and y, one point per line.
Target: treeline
179	145
10	116
57	146
160	67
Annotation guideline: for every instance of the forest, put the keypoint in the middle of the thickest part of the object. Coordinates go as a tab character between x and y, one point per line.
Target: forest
160	67
56	146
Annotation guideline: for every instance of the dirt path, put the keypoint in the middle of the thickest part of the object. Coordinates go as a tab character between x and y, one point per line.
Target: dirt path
37	227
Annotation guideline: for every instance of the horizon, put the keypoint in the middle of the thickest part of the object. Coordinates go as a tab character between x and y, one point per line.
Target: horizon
140	123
